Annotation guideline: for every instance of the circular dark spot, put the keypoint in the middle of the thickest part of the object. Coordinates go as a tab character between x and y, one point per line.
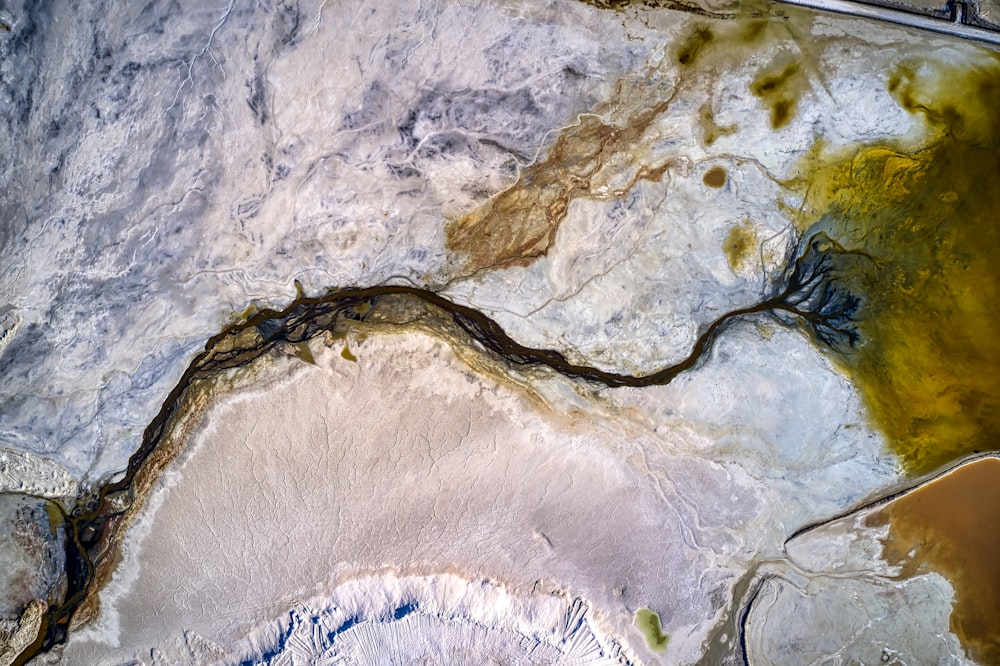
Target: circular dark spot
715	177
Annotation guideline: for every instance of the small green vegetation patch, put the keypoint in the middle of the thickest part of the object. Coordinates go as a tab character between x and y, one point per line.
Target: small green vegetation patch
648	623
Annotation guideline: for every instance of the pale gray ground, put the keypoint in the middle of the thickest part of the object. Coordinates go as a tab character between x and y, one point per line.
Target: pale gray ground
408	461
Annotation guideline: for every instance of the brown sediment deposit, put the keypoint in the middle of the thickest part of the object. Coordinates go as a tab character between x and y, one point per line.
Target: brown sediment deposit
715	177
520	224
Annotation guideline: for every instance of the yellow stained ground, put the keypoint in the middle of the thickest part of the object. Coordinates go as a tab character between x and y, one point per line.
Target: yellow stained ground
929	217
741	245
925	209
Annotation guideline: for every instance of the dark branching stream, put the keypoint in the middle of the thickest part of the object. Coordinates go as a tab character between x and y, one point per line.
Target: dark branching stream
809	294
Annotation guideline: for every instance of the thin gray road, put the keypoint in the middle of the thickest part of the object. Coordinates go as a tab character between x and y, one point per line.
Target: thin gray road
957	24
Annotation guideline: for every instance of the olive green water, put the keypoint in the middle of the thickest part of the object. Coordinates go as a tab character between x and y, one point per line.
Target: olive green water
915	220
648	622
928	218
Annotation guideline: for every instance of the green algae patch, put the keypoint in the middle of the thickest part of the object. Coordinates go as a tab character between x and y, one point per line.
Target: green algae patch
648	622
926	219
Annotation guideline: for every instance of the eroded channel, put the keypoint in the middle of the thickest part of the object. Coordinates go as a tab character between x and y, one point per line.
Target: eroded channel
95	526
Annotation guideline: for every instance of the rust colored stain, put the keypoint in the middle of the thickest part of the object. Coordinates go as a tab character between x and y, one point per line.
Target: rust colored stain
952	526
520	224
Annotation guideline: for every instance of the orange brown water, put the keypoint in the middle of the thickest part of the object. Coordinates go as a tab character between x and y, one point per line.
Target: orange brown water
952	526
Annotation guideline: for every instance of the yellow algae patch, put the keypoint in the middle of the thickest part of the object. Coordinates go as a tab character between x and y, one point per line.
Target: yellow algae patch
779	87
597	159
696	43
710	51
755	26
740	246
929	220
648	622
710	129
952	526
751	28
